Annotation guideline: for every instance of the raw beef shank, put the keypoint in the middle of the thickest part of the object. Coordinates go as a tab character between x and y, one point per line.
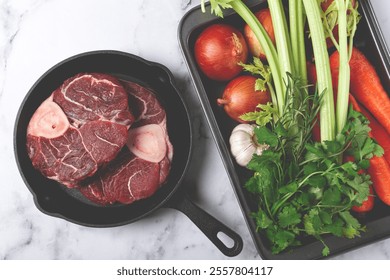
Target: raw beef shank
143	165
82	126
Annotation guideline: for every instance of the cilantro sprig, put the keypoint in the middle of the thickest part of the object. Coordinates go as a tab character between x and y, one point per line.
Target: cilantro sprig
303	187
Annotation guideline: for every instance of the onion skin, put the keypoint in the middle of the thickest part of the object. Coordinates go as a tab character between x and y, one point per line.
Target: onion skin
218	50
264	16
240	97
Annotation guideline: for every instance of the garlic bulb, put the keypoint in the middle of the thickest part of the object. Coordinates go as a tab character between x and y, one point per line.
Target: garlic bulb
243	144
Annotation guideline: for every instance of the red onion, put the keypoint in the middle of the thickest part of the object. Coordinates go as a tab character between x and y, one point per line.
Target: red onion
240	97
218	50
264	16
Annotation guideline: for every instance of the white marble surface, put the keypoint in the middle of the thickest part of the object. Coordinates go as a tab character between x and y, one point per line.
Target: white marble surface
35	35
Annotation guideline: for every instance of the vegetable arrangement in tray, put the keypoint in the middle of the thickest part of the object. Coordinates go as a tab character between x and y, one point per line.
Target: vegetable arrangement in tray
313	119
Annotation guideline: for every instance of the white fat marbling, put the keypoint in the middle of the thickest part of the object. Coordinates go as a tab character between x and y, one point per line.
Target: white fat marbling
35	35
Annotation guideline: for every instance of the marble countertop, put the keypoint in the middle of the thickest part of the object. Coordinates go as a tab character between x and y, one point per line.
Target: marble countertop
37	34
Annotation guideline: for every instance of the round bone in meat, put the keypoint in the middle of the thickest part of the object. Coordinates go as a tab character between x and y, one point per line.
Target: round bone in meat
137	172
48	121
79	128
148	142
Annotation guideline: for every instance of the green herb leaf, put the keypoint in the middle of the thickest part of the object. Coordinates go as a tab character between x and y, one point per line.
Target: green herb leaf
281	239
325	251
262	116
260	85
262	220
331	197
352	226
217	6
289	216
326	218
312	222
265	136
290	188
318	181
261	70
333	147
280	130
315	151
336	227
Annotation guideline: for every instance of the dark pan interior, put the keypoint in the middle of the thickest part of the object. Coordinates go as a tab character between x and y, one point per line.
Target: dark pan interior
54	199
368	39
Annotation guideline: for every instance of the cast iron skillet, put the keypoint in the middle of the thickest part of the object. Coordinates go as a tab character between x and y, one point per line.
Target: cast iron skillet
56	200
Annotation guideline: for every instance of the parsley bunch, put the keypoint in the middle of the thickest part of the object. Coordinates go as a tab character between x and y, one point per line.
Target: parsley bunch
305	188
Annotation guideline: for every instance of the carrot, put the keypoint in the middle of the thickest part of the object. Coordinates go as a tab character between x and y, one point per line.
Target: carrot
311	72
367	205
366	86
379	169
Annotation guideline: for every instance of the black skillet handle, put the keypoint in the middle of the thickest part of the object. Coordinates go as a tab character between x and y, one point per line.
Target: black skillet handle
209	225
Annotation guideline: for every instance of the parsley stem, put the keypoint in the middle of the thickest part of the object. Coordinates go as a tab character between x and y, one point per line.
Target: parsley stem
276	206
315	173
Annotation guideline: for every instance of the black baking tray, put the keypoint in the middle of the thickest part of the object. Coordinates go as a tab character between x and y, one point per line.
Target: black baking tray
369	39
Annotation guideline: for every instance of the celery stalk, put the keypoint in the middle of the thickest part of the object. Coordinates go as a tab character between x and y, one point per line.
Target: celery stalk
282	38
269	50
324	78
297	33
345	15
355	20
344	70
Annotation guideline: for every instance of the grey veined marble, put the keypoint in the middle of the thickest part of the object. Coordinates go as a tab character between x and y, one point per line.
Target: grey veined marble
35	35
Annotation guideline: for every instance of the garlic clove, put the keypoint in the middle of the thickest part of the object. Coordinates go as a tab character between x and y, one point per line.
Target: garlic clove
242	145
240	140
245	156
247	128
